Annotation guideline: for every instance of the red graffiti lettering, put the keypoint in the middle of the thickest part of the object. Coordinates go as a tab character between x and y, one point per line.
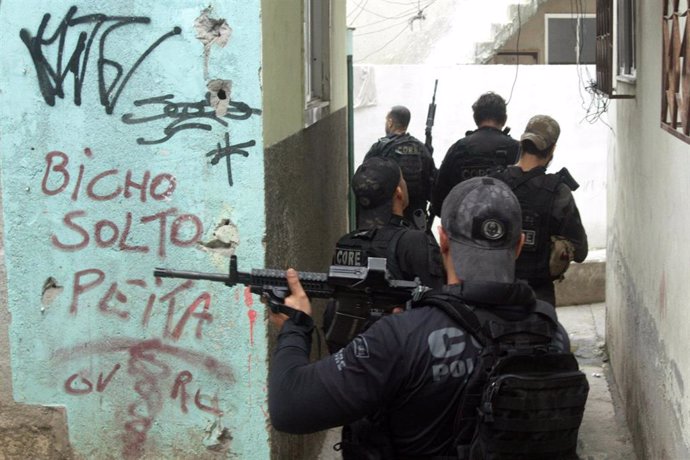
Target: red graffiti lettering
175	230
57	173
69	223
214	409
162	217
203	316
72	390
129	183
252	321
179	388
78	288
119	296
60	168
92	184
103	383
98	233
125	234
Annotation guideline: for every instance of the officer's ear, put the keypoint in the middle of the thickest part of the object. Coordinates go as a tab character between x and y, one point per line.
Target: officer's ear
520	244
444	241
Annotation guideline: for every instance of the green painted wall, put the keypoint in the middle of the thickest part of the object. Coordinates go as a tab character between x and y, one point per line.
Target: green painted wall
114	162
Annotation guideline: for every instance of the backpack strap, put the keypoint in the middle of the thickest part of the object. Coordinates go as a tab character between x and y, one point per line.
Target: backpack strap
458	310
392	254
528	176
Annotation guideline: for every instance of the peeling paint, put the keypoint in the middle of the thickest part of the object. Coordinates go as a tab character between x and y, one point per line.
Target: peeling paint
226	238
219	95
211	31
51	290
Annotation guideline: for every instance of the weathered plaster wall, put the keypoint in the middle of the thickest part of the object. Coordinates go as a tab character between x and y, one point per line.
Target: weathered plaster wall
113	163
533	31
648	260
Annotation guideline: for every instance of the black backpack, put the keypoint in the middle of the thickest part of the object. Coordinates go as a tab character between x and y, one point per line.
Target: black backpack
524	398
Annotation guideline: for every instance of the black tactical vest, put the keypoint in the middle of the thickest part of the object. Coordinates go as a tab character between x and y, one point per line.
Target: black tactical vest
478	160
407	152
356	247
536	198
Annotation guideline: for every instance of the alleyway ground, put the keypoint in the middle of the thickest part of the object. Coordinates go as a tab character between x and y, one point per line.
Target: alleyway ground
603	434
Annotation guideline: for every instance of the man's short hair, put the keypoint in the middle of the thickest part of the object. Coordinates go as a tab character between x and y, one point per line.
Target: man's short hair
483	221
400	116
541	134
490	106
374	185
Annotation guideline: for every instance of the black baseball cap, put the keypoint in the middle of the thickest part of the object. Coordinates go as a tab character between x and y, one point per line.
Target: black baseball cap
374	184
483	220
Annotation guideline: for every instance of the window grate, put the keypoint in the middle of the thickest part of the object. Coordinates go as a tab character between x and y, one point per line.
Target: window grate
675	97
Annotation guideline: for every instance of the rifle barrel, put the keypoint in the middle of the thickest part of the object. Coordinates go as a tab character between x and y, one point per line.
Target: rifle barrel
167	273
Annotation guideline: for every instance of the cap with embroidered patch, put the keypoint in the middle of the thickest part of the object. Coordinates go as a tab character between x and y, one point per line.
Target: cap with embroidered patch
483	220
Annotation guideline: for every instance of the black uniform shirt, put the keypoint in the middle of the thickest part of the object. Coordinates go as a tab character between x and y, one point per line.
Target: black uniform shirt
412	367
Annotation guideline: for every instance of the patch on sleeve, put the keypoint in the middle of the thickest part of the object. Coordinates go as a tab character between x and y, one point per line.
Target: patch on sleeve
361	347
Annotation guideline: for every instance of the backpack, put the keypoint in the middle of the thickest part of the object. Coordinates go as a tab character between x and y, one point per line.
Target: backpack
524	398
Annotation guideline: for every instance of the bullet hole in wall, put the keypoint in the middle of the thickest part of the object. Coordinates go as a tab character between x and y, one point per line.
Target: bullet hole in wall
51	289
225	239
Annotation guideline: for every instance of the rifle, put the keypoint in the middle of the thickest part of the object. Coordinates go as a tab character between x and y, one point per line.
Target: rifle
430	116
363	293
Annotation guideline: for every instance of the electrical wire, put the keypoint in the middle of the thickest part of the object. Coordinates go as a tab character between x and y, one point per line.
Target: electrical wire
517	54
385	44
361	10
403	14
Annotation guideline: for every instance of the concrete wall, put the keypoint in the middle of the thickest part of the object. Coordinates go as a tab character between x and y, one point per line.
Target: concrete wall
648	260
113	163
554	90
533	31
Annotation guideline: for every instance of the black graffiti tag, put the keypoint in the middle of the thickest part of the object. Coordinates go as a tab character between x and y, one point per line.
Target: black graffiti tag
225	152
51	78
187	115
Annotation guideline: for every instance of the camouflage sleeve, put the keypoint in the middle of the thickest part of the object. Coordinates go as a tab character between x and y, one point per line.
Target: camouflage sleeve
568	222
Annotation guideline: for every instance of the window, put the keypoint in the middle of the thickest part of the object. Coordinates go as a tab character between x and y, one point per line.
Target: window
317	26
624	45
675	100
570	39
626	39
604	47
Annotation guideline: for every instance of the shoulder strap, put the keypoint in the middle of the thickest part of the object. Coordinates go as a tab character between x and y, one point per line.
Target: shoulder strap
458	310
531	174
392	254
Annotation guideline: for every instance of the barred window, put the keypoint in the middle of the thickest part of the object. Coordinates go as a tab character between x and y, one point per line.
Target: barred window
604	47
675	101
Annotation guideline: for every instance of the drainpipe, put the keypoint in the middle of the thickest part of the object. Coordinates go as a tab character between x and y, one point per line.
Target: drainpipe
350	130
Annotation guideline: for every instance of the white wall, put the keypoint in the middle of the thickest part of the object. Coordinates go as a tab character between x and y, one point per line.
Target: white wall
648	259
551	90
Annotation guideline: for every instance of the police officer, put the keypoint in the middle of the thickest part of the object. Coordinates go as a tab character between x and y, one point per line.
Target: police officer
551	220
410	367
416	162
382	231
487	148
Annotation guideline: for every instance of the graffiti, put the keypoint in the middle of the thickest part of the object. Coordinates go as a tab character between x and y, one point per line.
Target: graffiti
225	152
178	229
182	114
57	174
51	78
114	300
147	367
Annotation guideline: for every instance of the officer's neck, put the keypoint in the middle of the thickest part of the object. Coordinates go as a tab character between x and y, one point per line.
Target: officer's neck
490	124
528	162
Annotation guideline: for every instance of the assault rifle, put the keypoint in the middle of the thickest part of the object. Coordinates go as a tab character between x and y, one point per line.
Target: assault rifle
568	179
430	117
363	293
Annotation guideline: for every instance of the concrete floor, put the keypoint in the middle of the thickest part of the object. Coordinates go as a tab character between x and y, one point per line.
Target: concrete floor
603	433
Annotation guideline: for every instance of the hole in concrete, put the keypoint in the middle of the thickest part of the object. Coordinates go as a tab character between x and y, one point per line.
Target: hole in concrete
219	92
225	239
51	289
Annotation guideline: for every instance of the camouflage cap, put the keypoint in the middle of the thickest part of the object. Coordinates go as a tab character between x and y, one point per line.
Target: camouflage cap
483	221
374	184
542	130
